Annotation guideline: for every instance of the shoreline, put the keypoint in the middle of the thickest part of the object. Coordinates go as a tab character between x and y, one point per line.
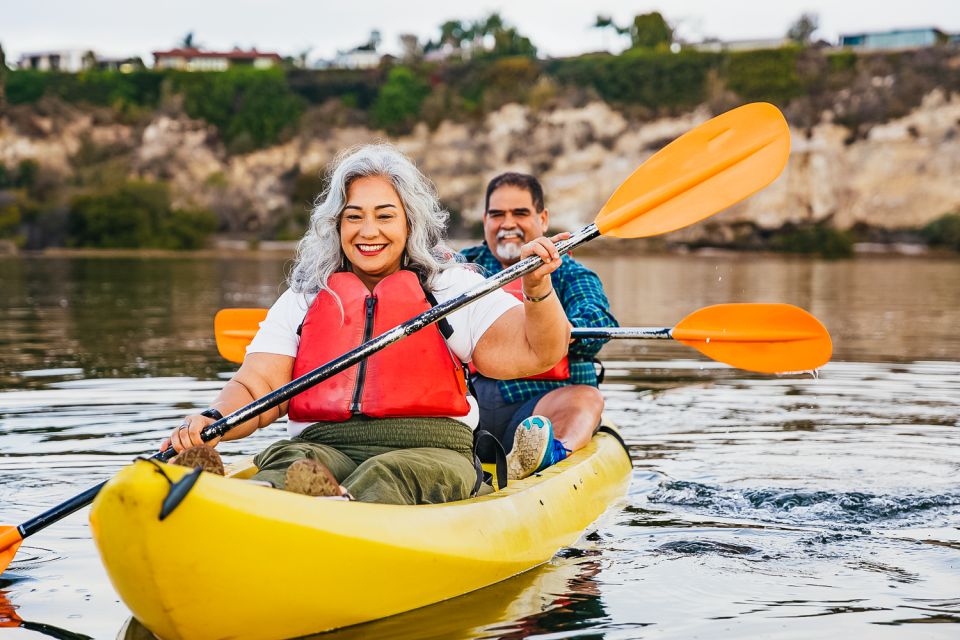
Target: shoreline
275	249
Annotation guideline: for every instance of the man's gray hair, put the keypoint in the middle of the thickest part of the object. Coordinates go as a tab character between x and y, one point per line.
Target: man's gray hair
319	253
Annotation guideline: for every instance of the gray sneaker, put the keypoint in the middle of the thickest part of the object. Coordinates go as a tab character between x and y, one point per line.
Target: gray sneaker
531	443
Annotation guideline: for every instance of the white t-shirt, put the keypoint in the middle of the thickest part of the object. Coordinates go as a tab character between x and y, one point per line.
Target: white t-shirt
278	332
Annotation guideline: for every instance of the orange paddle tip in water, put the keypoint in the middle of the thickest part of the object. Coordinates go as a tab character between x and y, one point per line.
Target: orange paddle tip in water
767	338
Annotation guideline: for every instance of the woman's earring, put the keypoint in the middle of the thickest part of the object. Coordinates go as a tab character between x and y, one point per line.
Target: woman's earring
405	260
344	264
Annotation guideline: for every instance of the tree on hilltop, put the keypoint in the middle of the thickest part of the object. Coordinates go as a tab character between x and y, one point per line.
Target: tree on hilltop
647	31
487	35
3	78
803	29
650	31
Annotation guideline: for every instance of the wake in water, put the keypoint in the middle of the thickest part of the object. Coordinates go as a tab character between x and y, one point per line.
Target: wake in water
804	507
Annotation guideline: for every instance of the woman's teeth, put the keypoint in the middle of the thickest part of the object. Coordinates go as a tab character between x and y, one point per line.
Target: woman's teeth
371	247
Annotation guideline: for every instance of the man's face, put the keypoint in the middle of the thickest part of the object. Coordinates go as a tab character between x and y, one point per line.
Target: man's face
510	221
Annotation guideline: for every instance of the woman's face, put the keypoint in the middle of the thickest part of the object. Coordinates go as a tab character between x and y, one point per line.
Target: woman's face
373	229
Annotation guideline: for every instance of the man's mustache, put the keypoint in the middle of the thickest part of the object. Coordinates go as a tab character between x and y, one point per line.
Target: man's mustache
509	233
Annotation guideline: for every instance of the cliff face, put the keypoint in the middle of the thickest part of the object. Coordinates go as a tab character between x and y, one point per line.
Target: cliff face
902	174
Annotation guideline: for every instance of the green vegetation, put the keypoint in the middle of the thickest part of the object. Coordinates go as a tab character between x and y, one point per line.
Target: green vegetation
765	74
251	108
944	231
398	104
466	35
136	215
658	80
818	239
647	31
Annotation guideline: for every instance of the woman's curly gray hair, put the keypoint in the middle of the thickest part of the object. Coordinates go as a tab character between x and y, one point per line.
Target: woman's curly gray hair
319	253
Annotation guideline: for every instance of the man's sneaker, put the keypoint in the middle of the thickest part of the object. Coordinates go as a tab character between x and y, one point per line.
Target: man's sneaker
532	445
557	453
203	456
311	478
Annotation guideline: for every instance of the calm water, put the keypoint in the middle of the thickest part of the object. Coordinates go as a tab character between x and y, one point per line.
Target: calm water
760	505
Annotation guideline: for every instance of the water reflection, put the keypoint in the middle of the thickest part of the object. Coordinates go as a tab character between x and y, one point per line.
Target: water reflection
559	597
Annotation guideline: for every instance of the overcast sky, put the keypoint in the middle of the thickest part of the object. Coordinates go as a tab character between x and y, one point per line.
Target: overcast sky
557	28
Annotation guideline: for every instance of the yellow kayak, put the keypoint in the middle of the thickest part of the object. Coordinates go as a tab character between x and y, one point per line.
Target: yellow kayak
237	560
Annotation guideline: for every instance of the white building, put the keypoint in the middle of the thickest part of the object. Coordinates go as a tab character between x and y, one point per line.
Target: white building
742	45
356	59
66	60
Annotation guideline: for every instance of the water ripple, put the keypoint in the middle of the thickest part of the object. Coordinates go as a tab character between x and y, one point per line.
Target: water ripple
810	507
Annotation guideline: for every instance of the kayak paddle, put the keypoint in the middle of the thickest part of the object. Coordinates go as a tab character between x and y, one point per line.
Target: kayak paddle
707	169
767	338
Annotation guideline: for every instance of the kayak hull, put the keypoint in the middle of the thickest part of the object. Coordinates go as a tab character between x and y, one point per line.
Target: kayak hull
239	560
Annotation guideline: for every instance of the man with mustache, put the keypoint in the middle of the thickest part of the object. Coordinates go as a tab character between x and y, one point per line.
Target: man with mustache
539	420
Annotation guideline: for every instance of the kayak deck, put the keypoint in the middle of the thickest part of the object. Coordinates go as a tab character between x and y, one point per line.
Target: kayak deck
240	560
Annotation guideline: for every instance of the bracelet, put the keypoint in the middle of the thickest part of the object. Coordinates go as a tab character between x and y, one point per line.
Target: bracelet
212	413
540	299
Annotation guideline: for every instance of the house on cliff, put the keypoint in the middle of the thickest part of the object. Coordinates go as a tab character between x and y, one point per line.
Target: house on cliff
897	39
65	60
193	59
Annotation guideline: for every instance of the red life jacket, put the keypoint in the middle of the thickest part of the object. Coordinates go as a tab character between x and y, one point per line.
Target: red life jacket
559	371
413	377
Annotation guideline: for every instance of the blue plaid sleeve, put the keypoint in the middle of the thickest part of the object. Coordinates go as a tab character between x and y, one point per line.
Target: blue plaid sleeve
585	303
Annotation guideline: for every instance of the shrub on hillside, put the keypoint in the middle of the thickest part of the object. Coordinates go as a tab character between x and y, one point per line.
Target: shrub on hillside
136	215
251	108
398	104
818	239
765	74
102	88
944	231
656	80
355	87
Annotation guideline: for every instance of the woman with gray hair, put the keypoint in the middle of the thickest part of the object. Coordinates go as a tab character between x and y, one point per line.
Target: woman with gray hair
396	428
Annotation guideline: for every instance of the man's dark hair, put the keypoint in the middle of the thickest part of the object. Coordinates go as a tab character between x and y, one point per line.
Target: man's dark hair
521	181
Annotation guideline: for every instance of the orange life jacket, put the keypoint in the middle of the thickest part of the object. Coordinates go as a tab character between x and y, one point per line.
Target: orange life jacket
416	376
559	371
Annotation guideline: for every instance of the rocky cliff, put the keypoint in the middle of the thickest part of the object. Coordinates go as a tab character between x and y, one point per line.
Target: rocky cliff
902	174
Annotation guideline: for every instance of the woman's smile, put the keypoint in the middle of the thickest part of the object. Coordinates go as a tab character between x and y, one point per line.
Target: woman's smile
371	249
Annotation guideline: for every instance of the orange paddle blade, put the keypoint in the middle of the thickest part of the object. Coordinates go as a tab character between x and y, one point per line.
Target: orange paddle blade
235	329
768	338
10	540
704	171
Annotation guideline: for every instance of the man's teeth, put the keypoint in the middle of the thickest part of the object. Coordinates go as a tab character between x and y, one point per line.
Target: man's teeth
371	247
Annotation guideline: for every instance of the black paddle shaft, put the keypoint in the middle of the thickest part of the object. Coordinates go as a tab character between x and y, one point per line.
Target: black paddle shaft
321	373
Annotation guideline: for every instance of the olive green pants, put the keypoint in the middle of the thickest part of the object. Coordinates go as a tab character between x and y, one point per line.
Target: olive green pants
388	460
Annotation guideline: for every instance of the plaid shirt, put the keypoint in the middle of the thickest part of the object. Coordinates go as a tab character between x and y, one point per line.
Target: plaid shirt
581	294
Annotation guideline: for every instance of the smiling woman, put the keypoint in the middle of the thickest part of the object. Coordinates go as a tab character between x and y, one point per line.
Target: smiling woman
397	427
373	229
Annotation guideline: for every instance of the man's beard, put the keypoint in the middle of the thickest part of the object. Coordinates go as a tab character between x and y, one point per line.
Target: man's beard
509	252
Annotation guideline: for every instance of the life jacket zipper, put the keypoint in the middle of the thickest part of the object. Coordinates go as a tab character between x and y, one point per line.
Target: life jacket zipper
355	407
